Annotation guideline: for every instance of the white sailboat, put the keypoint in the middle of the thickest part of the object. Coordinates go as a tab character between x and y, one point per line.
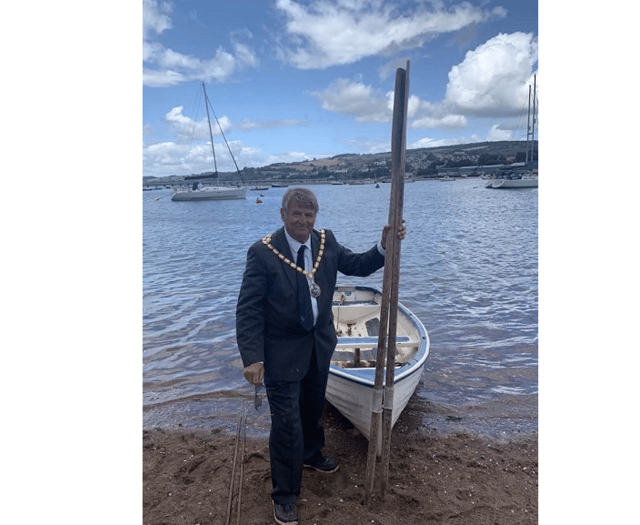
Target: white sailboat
523	180
210	193
216	192
516	179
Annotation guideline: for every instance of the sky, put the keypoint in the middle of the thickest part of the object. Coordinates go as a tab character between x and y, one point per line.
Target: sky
295	80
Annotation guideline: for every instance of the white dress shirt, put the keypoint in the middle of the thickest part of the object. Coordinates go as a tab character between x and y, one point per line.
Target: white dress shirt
308	265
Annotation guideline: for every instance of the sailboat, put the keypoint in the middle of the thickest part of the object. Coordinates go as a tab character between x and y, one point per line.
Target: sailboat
200	192
509	178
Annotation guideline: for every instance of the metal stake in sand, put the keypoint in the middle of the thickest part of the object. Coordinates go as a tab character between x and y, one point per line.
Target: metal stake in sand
241	423
389	300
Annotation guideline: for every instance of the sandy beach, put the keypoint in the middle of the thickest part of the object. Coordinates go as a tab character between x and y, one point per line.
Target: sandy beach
455	478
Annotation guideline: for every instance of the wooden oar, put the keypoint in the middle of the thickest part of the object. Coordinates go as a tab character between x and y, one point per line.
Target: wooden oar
391	269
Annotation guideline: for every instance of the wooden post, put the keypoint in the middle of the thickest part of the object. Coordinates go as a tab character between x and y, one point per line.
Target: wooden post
376	401
389	308
398	150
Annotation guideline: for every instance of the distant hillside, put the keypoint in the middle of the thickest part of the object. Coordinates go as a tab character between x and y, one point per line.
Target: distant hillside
507	148
469	153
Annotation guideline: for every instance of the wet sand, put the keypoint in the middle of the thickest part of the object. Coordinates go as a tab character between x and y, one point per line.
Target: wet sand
446	478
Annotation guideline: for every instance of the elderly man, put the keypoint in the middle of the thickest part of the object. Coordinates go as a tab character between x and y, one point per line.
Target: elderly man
286	336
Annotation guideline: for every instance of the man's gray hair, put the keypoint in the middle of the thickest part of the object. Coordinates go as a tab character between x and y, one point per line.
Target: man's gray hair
303	196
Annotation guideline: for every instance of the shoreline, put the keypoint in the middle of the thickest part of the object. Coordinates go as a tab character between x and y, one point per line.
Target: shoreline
492	420
446	478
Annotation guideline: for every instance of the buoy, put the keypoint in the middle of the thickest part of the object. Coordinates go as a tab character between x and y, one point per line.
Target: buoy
258	200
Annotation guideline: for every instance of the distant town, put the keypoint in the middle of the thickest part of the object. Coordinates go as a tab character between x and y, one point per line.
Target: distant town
468	160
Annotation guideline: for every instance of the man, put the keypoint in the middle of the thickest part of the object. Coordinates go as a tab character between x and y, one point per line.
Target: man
288	342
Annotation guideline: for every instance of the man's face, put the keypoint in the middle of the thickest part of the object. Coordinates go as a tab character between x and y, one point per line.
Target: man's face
298	221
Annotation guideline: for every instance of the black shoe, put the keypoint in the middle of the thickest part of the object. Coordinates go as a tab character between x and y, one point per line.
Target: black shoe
286	514
323	464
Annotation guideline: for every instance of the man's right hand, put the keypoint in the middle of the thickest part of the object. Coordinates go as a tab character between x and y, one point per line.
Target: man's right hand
254	373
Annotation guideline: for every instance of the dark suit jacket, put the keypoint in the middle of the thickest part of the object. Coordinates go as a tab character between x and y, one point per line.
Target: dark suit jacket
267	327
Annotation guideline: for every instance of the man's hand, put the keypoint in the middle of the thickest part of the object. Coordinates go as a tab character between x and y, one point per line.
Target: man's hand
402	232
254	373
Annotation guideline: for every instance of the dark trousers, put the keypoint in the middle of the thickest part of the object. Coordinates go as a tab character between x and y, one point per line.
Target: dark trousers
296	433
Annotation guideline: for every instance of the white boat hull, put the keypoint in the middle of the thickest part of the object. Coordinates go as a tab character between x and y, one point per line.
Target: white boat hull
524	182
210	193
350	388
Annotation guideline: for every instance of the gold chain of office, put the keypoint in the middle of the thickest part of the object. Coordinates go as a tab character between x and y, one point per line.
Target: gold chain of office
314	288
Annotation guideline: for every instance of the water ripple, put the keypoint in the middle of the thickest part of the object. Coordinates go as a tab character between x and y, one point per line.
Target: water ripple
469	271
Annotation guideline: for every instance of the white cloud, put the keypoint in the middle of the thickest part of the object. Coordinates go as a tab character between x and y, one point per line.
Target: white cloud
287	156
155	17
324	34
166	67
493	79
366	104
367	146
219	68
188	129
156	78
164	158
244	53
497	134
445	122
390	67
249	125
435	143
171	158
356	99
190	150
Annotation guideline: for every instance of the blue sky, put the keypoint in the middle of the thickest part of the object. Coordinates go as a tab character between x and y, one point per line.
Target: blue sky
294	80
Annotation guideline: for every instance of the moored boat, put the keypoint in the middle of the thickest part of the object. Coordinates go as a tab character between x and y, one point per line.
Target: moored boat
507	178
210	193
518	181
356	313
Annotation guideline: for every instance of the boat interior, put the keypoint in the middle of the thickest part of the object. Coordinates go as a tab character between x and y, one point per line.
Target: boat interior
357	325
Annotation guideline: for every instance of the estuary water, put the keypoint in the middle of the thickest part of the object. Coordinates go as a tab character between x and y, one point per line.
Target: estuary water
469	271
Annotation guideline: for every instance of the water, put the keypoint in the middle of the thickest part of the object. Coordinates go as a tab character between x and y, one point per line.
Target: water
468	271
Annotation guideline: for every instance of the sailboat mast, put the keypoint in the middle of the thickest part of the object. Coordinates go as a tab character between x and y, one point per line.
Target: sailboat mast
529	153
533	120
206	105
531	125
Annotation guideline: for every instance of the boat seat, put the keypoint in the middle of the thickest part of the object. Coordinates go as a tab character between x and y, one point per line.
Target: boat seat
368	341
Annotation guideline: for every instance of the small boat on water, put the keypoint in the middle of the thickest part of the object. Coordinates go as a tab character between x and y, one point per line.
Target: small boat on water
356	313
507	178
514	180
210	193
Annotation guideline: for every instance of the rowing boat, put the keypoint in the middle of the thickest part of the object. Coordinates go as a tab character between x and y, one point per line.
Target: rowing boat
356	313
